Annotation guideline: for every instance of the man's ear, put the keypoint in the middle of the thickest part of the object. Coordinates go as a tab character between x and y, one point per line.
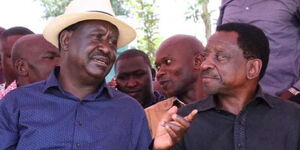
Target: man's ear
21	67
253	68
153	73
64	40
197	61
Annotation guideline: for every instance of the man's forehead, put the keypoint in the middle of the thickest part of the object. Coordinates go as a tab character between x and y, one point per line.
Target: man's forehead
10	40
223	40
132	61
99	23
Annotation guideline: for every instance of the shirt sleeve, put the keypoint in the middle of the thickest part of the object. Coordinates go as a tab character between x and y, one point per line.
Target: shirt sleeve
8	123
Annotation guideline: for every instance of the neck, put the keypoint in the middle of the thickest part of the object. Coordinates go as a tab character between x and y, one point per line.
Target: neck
8	82
235	100
20	81
193	94
148	99
76	86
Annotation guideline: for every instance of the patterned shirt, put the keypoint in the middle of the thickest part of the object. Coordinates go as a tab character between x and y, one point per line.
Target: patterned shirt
11	87
44	116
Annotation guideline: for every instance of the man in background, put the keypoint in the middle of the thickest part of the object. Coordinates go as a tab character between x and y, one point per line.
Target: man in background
33	59
177	60
7	39
134	76
1	71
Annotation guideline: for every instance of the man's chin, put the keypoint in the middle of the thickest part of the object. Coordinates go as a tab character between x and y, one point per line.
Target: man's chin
210	90
98	75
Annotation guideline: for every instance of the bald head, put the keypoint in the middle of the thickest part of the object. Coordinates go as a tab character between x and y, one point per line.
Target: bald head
180	42
7	40
178	61
33	58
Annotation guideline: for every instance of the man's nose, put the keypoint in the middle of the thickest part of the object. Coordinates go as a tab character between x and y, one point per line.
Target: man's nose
131	82
208	63
160	73
106	47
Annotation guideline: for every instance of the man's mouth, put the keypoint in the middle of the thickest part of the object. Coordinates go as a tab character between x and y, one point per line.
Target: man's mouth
164	83
133	93
101	60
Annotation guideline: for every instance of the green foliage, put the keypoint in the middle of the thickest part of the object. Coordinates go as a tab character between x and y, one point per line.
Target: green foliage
120	8
148	35
199	10
53	8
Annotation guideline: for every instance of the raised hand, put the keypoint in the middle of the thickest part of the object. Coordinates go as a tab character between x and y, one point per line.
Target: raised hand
171	129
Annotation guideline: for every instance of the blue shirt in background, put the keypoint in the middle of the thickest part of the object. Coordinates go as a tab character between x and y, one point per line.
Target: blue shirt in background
44	116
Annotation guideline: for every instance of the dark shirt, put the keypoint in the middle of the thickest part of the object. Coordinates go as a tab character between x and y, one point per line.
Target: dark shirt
278	19
157	98
44	116
266	123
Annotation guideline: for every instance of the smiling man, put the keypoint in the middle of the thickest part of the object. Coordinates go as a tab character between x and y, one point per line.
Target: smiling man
238	114
74	108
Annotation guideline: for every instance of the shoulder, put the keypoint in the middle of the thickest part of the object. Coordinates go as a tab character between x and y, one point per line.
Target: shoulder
285	106
162	105
23	91
124	101
204	104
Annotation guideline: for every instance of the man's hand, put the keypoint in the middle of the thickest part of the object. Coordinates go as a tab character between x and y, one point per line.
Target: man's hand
171	129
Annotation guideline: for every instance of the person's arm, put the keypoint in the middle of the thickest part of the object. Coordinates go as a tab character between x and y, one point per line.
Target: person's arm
171	129
290	93
8	124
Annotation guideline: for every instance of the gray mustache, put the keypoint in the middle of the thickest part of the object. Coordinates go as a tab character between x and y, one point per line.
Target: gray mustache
98	53
208	74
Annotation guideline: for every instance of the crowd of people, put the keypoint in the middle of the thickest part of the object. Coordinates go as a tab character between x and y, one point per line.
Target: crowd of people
240	91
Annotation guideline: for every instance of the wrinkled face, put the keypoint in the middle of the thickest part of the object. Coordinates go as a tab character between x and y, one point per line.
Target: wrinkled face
7	66
175	71
41	61
92	49
134	77
224	67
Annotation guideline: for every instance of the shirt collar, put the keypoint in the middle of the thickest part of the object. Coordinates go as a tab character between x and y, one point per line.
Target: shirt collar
52	82
210	102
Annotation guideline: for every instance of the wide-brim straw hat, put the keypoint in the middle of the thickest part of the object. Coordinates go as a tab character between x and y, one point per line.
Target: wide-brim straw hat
80	10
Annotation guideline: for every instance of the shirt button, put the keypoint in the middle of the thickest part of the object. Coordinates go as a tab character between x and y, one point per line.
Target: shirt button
77	145
80	123
247	8
241	122
239	145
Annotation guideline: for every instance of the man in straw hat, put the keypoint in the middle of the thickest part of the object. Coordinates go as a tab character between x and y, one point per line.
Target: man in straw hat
74	108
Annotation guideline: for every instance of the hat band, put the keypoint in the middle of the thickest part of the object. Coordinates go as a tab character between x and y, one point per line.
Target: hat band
101	12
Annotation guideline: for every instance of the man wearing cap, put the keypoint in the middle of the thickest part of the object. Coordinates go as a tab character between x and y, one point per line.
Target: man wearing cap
74	108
